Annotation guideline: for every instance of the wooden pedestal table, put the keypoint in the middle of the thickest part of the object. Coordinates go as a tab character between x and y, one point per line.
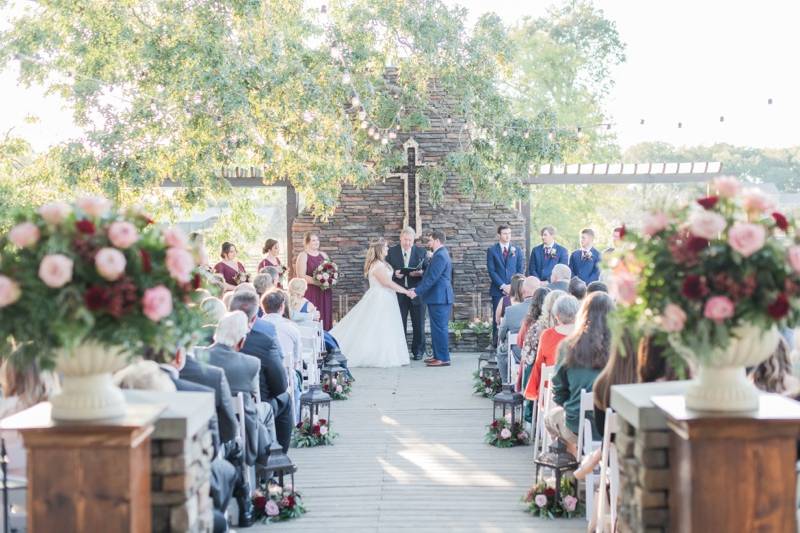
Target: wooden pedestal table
733	472
89	476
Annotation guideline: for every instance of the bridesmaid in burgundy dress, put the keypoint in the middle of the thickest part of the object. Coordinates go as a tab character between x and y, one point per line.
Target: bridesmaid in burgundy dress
271	259
307	262
229	267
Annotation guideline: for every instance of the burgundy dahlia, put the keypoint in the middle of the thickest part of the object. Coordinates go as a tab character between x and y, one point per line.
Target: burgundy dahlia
260	502
780	221
696	244
779	308
147	264
85	226
694	287
97	297
708	202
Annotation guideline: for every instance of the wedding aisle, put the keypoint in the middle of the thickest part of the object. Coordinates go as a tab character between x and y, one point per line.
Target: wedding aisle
410	456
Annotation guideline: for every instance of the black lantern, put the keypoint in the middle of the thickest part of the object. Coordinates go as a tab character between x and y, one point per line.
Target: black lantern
280	465
332	374
559	460
490	370
336	357
314	399
508	402
485	356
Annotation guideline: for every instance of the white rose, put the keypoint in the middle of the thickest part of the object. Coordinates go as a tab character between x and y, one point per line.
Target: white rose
325	276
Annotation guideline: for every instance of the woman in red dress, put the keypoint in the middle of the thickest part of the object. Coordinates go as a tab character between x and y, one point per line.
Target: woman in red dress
271	259
307	262
231	269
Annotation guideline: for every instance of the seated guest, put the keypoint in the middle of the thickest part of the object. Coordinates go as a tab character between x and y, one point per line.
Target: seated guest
274	273
559	279
144	375
577	287
242	370
563	320
512	321
514	296
262	342
262	283
232	270
596	286
300	309
585	262
775	373
274	305
226	299
581	357
245	286
213	309
23	386
525	362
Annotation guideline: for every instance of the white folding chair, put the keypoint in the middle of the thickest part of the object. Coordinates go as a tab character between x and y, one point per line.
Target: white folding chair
609	474
586	446
511	370
251	471
542	409
310	340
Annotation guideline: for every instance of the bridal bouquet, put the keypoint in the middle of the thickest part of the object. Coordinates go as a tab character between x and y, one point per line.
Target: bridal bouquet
83	272
327	274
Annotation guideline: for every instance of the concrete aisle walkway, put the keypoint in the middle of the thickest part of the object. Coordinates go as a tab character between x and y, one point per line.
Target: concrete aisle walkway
410	456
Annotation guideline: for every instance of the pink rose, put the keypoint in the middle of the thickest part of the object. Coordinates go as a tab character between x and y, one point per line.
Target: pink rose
55	213
570	503
706	224
755	201
180	264
793	253
9	291
540	500
272	508
505	433
718	308
55	270
727	186
94	206
323	430
157	303
673	319
339	388
175	237
24	235
654	223
522	435
123	234
110	263
623	287
747	238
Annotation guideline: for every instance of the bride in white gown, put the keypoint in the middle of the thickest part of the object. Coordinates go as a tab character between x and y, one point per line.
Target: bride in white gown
371	334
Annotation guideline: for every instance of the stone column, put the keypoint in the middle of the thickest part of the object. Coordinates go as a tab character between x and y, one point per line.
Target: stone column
643	443
181	452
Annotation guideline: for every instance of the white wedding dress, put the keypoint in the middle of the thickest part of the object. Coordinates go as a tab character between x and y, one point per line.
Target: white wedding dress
371	333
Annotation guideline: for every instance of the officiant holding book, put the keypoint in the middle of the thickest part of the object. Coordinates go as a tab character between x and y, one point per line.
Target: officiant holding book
408	261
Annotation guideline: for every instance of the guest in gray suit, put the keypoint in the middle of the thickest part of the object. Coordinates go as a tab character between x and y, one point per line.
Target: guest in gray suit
242	370
559	278
512	320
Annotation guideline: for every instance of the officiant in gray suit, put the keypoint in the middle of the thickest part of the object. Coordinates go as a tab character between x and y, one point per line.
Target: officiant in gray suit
408	261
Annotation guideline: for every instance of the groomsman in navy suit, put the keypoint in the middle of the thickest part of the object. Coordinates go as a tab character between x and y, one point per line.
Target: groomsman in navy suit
503	260
547	255
585	262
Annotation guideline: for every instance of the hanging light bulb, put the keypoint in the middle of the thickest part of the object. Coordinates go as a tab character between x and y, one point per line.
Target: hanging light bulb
355	101
680	125
371	131
526	135
641	122
363	124
608	126
722	118
346	79
362	115
769	101
551	136
376	136
384	141
392	135
505	133
449	120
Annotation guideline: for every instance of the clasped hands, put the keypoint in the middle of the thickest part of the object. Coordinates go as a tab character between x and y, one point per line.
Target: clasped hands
411	294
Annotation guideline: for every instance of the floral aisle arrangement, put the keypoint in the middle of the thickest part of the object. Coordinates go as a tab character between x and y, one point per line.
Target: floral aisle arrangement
308	435
338	389
327	274
541	500
480	327
503	434
277	504
83	287
486	386
716	277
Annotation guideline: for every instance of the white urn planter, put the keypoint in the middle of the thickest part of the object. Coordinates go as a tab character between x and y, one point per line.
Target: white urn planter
720	382
88	391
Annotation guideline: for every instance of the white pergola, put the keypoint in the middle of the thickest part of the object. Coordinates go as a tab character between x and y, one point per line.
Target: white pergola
625	173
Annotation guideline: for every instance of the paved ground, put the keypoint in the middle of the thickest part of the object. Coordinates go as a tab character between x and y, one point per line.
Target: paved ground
410	456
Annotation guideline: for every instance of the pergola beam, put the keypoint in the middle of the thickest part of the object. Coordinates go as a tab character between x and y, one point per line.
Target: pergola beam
625	173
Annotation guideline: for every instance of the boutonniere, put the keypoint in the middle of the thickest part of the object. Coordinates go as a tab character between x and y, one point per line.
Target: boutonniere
586	255
550	252
512	251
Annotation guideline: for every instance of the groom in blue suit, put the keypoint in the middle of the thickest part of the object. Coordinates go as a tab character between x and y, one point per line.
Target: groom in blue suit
547	255
503	260
436	290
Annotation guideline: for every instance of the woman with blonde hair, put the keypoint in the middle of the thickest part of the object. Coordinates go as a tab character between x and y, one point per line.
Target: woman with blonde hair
23	386
372	333
300	309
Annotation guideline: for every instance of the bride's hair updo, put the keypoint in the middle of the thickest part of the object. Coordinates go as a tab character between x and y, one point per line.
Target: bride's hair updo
374	255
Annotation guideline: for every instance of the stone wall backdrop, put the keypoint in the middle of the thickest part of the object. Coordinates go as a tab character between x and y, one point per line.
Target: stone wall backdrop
378	211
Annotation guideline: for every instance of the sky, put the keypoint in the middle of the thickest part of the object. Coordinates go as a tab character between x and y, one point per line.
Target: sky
688	61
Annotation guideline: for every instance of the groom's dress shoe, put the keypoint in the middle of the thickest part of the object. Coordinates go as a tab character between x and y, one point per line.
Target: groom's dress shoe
436	362
429	359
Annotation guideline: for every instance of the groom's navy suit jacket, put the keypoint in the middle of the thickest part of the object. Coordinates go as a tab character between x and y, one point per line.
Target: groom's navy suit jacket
500	269
436	286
